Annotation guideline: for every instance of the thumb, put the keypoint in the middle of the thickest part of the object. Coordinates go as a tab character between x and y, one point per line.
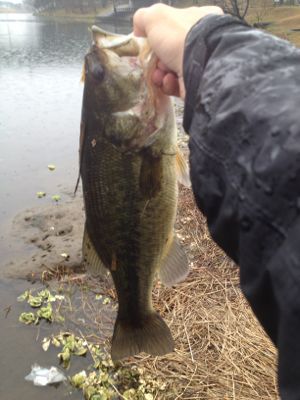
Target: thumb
139	23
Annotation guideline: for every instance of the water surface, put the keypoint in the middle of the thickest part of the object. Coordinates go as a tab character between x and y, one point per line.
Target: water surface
40	105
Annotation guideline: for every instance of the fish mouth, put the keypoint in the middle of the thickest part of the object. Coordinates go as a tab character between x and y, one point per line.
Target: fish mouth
122	45
98	57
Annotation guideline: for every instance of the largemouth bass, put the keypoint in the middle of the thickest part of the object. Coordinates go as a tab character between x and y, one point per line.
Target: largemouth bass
128	163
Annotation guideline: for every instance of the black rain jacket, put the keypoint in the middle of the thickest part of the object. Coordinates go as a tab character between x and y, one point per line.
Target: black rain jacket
242	112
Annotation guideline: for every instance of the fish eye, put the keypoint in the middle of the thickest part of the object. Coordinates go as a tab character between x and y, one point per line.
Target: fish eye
97	72
94	67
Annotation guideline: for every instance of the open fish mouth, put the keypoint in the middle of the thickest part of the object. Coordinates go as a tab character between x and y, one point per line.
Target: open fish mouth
123	45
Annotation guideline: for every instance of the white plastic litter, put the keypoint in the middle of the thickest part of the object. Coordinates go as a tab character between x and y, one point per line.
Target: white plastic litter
44	376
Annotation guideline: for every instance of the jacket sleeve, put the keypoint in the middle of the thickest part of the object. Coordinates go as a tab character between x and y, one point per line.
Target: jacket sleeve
242	114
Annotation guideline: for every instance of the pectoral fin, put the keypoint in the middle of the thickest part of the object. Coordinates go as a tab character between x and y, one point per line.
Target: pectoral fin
182	169
175	266
90	257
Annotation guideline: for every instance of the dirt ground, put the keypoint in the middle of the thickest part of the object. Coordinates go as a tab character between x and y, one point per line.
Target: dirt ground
53	236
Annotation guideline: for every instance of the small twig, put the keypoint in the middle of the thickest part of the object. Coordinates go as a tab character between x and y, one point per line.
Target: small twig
7	310
88	345
38	332
117	391
180	395
187	336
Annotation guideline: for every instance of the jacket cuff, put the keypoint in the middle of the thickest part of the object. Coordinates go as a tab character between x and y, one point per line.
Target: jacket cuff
196	55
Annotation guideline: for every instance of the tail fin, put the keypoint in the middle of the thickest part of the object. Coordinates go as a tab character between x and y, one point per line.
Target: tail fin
152	337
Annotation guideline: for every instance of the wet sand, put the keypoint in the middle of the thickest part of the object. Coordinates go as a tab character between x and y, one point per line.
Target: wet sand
51	236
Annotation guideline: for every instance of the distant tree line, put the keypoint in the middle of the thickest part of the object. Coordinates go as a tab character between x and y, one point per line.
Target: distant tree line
84	6
69	5
238	8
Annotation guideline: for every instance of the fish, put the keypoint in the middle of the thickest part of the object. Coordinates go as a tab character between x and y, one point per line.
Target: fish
130	165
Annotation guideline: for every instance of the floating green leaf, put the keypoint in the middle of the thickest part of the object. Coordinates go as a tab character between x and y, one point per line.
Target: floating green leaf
55	342
81	351
59	318
78	380
40	194
46	312
56	197
24	296
28	318
149	396
65	357
129	394
35	301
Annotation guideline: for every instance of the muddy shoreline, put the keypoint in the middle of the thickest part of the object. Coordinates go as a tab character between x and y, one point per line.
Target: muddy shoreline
51	236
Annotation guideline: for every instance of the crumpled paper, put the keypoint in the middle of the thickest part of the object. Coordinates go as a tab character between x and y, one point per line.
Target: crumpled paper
41	376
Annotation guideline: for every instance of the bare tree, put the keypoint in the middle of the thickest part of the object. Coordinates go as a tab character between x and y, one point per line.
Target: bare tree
237	8
261	9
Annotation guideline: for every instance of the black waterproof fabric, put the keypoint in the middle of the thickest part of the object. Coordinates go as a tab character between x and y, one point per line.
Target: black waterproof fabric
242	112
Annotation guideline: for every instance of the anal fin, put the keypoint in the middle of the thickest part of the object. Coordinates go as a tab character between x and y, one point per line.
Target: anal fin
152	336
175	265
90	257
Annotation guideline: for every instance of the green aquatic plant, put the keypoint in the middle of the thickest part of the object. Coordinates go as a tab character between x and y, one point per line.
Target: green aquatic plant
103	379
28	318
56	197
42	301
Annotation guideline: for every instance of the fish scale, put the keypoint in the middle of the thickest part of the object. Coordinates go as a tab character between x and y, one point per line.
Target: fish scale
128	171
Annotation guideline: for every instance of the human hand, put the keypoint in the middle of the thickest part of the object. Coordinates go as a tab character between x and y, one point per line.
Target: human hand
166	29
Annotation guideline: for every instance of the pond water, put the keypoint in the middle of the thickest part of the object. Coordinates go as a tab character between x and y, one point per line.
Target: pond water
40	105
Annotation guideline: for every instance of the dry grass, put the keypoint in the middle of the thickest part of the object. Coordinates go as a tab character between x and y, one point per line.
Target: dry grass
221	350
282	19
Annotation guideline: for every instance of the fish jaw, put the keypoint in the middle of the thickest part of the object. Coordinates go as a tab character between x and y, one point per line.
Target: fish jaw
123	45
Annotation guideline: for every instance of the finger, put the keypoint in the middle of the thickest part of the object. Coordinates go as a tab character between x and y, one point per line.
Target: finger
170	85
163	66
158	77
138	23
